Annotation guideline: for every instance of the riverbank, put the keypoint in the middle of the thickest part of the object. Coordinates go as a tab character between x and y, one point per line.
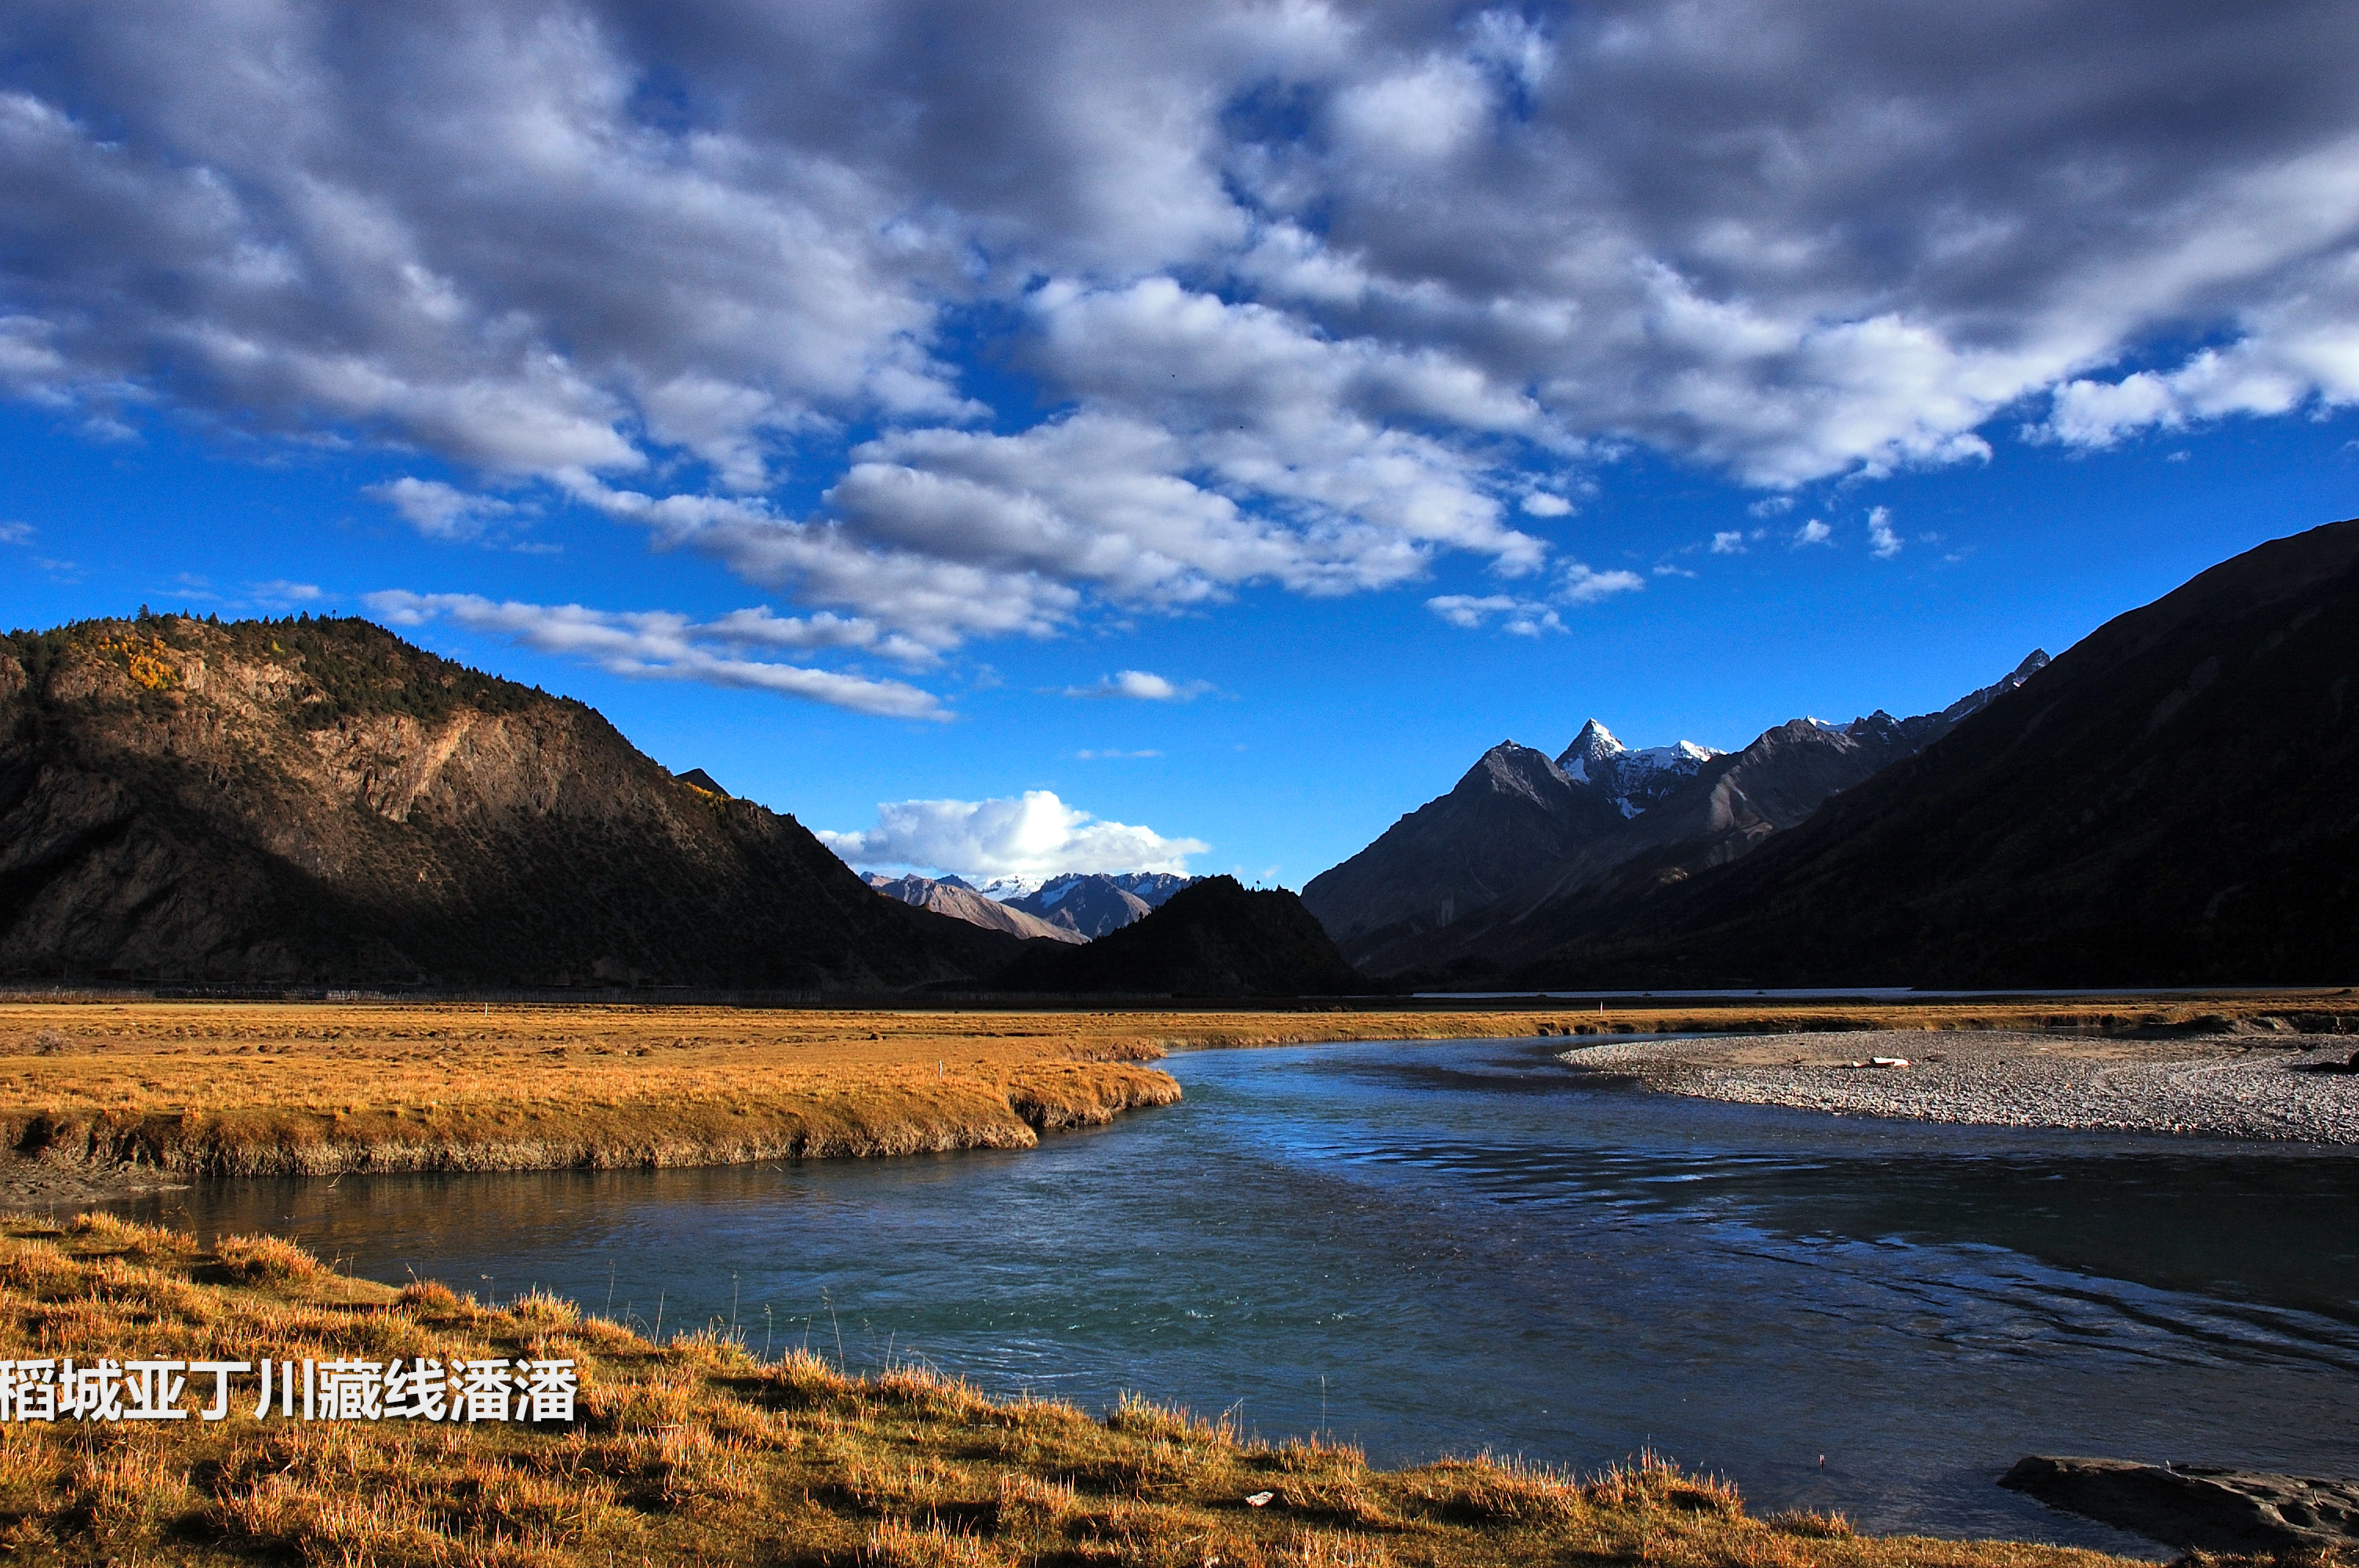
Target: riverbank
103	1098
698	1450
2263	1086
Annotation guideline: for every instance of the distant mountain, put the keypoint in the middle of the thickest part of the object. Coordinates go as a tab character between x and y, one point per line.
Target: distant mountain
948	896
1513	811
1091	903
1214	937
2169	803
1632	781
314	801
1040	895
1454	883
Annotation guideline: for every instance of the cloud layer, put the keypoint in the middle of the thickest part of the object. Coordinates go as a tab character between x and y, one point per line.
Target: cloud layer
659	645
1313	295
1034	835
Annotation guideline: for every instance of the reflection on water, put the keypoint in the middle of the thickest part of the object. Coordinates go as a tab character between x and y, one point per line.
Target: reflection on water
1446	1247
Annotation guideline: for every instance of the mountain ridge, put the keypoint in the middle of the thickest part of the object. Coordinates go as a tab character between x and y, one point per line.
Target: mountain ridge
313	800
2165	804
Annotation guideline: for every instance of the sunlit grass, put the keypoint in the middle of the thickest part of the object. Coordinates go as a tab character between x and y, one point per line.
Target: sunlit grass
697	1451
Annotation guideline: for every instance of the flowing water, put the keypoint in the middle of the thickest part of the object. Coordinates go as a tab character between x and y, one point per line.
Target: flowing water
1447	1247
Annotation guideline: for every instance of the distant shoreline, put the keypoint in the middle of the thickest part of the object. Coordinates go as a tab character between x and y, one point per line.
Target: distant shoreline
2236	1085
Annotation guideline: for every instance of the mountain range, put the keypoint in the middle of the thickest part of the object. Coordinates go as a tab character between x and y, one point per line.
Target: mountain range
960	900
1452	880
316	801
2169	803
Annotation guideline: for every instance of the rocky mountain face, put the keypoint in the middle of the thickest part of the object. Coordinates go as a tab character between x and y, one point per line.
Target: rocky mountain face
2166	804
1213	937
1087	906
1090	902
1514	809
1632	781
960	900
1456	885
317	802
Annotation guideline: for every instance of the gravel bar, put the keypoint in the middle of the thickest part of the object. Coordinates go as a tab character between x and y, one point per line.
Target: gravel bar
2212	1087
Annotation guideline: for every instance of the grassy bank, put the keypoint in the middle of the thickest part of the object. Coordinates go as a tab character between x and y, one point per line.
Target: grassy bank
697	1452
294	1089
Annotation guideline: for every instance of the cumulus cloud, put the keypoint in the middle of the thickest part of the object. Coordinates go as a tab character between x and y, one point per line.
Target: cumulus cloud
1728	542
1034	835
1813	532
440	510
1307	292
1882	542
16	533
1577	585
661	645
1581	585
1141	686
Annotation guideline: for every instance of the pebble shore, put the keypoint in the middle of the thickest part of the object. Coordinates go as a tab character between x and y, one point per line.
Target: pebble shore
2215	1086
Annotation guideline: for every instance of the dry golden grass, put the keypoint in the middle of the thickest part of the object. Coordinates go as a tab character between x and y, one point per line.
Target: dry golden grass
235	1089
698	1453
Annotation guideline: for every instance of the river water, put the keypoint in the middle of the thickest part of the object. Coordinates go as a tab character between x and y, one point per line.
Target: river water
1447	1247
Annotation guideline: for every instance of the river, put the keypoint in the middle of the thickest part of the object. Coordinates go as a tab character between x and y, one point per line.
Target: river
1446	1247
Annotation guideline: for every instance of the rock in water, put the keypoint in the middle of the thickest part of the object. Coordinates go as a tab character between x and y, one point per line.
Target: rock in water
2198	1506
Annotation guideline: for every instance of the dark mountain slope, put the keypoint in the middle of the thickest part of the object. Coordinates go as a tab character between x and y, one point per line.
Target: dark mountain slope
316	801
1214	937
2170	802
1720	810
1514	810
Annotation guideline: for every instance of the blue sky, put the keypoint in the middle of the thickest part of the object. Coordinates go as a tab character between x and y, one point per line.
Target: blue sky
1228	431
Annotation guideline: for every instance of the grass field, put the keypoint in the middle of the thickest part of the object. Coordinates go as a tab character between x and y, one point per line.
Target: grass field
281	1088
697	1451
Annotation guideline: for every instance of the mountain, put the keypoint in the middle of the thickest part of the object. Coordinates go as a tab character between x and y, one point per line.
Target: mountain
2169	803
1150	888
1513	810
1454	885
314	801
1632	781
1214	937
1041	896
1091	903
948	896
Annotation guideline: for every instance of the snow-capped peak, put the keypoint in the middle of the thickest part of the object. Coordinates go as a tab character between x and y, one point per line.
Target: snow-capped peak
1632	781
1593	746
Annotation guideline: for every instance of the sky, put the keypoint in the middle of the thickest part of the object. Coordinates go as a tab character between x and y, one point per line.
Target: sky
1026	438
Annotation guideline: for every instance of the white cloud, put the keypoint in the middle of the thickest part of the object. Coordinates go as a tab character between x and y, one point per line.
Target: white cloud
440	510
1883	543
280	594
1114	756
1582	586
1308	289
1577	585
661	645
1728	542
16	533
1035	835
1142	687
1523	616
1813	532
1540	503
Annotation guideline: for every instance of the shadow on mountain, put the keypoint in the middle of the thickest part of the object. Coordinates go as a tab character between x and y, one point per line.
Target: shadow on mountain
317	802
1214	937
2169	803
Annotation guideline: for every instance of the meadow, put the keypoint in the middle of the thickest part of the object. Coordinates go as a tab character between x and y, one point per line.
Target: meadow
229	1089
703	1451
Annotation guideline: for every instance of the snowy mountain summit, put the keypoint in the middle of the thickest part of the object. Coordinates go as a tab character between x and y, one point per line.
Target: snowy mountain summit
1632	780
